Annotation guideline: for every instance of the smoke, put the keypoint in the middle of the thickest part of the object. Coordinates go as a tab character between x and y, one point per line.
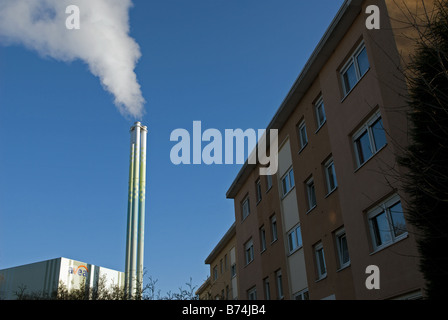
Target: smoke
102	42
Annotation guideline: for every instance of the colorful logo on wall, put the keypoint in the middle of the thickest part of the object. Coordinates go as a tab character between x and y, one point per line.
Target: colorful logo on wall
80	270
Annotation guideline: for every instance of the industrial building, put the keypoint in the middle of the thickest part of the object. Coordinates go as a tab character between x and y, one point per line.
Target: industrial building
42	279
335	207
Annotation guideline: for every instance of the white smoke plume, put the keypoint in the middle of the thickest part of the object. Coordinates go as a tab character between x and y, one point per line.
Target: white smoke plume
102	42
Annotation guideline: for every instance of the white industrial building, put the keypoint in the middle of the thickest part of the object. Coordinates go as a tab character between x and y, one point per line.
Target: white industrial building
44	277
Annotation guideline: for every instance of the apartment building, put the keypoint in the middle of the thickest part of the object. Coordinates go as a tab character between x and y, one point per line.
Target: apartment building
222	283
335	206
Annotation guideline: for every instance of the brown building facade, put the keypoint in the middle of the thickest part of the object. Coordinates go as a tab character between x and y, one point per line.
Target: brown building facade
222	283
335	206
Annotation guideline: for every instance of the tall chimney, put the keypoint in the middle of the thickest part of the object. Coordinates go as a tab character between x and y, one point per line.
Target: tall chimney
136	212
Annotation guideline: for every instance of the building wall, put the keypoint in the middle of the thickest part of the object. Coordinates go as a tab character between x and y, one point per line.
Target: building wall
360	188
290	217
268	262
43	278
40	277
233	278
223	287
222	283
319	223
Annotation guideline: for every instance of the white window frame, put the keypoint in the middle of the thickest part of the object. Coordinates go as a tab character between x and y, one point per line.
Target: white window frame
279	280
245	213
353	60
249	251
338	236
215	273
309	183
302	295
384	207
287	182
320	273
303	136
367	127
294	243
252	293
267	288
330	165
268	182
274	231
320	103
263	238
233	271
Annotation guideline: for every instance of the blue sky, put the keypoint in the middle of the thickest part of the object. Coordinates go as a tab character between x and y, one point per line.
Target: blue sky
64	146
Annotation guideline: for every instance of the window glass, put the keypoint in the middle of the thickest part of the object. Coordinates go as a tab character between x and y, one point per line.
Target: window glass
291	178
274	228
363	62
269	181
258	186
263	238
299	236
320	112
343	249
291	241
397	217
379	135
285	184
311	194
321	261
387	223
350	78
246	209
331	175
363	147
302	135
381	229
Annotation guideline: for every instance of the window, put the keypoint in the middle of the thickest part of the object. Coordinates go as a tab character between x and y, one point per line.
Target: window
278	276
268	182
303	138
258	189
252	294
387	223
267	289
263	238
288	182
320	261
355	68
341	244
369	139
274	228
302	295
320	112
311	194
245	207
294	239
232	271
330	175
226	262
249	251
215	272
